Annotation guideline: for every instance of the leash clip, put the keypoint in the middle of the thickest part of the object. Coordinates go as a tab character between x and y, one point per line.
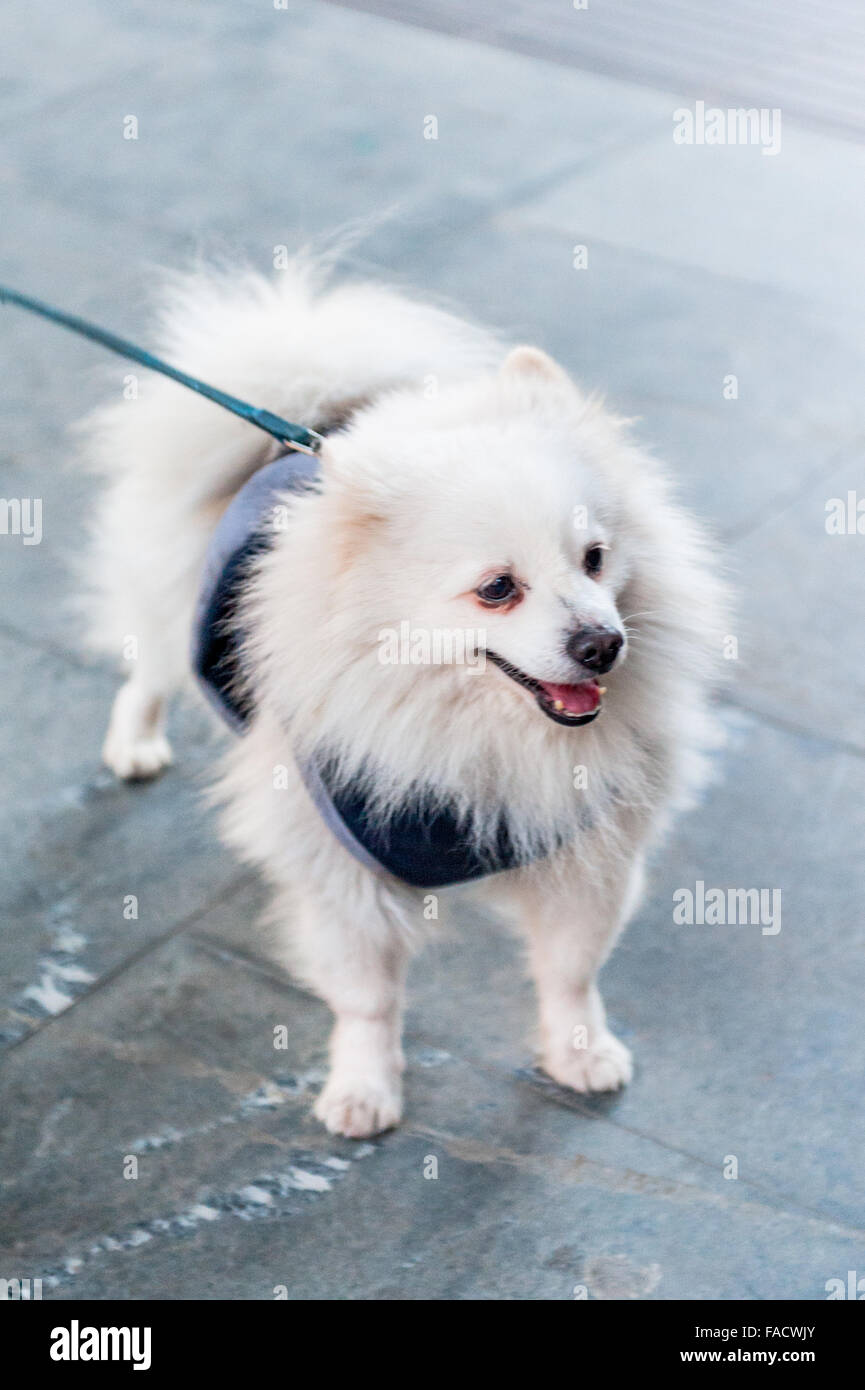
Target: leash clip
312	444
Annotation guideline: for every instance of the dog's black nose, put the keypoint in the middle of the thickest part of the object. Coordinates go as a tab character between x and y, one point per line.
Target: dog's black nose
596	648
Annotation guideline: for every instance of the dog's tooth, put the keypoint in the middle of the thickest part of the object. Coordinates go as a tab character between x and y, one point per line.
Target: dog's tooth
558	704
602	690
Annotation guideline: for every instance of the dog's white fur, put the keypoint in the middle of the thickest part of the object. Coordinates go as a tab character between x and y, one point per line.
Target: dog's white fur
457	462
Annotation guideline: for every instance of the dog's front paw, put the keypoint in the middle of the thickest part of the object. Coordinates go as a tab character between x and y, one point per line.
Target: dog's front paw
604	1065
358	1108
136	760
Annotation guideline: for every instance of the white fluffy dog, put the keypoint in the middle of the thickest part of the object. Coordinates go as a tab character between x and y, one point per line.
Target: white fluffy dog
464	489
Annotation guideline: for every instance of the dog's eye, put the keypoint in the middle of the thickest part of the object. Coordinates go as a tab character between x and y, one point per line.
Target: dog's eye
593	560
499	590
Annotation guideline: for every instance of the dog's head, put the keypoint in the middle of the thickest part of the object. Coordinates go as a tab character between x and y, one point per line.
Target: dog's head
479	528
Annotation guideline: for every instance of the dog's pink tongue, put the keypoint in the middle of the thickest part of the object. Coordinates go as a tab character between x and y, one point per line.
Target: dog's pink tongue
575	699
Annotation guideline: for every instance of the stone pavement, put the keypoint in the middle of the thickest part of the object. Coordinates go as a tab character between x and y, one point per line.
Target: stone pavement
153	1037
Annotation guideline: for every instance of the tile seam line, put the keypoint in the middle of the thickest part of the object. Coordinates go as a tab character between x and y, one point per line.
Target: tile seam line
46	646
783	726
846	453
830	314
226	894
522	193
765	1202
54	105
259	967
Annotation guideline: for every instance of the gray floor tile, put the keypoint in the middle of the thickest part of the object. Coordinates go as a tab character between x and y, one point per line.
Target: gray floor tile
792	220
803	660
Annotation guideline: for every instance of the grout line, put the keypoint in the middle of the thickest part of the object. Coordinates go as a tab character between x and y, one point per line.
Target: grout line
507	200
226	894
781	505
48	647
785	726
766	1199
259	966
58	103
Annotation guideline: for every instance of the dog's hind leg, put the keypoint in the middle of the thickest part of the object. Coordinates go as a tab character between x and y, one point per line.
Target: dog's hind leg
148	555
136	747
149	631
571	930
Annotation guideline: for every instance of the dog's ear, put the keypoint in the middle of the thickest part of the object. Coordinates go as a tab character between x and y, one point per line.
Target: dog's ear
356	507
361	491
533	364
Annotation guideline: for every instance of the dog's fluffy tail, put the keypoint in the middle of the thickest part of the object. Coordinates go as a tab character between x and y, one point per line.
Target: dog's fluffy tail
293	344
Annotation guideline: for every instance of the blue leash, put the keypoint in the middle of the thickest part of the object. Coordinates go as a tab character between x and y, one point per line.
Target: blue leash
294	436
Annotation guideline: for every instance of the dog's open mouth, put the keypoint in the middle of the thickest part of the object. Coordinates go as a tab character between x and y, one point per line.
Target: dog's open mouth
566	704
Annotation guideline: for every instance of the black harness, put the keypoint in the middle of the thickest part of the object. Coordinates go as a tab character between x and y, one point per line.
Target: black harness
424	845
